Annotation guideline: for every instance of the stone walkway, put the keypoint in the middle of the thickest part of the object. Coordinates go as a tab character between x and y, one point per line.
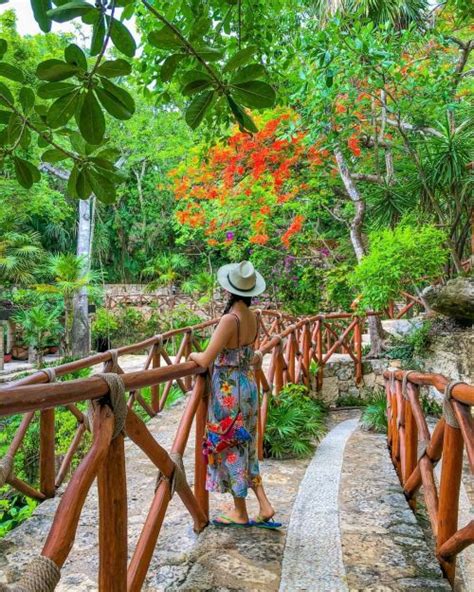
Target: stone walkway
383	545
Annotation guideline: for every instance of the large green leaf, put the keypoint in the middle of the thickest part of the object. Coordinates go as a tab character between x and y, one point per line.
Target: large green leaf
40	9
71	183
102	187
52	90
11	72
91	119
98	36
164	38
5	116
26	173
120	95
6	97
245	121
114	68
248	73
112	105
198	108
122	38
55	70
210	54
62	110
27	99
241	58
196	86
53	155
15	128
254	93
83	187
70	10
74	55
168	68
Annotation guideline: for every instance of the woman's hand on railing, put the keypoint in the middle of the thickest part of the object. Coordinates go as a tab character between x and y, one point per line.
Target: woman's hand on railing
257	360
199	358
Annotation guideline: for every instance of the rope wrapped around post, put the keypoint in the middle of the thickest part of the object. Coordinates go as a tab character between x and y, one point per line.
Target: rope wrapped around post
50	373
178	478
449	416
6	468
405	383
41	575
117	400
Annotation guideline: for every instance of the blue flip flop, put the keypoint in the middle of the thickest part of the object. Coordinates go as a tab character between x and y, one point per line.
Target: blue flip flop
230	523
269	524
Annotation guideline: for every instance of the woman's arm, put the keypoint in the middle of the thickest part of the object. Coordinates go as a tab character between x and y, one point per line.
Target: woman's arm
220	338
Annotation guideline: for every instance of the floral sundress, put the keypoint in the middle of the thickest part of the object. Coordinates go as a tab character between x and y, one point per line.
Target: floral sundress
235	469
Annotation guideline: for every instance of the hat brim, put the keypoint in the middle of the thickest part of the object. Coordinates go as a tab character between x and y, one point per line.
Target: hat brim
222	278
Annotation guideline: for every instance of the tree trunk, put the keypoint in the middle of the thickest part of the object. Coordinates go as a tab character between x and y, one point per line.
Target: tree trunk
375	325
80	327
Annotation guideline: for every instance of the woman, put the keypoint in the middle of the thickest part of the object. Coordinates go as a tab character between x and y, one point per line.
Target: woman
233	407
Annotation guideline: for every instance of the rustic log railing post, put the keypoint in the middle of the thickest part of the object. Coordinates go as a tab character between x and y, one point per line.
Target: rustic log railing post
200	491
279	367
319	353
451	472
113	535
155	389
188	381
47	456
358	351
306	353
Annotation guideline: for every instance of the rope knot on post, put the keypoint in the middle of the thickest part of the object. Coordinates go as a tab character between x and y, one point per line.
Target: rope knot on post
178	478
6	468
112	364
41	575
159	342
405	384
50	373
448	412
117	399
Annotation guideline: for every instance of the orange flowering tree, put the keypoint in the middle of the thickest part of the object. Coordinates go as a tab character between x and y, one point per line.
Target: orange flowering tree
250	190
256	196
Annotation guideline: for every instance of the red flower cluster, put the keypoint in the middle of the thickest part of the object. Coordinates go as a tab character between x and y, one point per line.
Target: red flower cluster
295	227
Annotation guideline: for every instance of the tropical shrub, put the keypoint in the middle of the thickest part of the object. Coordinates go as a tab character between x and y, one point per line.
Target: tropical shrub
405	257
40	326
374	416
295	423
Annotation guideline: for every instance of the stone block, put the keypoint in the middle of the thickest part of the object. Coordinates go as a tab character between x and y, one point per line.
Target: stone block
330	390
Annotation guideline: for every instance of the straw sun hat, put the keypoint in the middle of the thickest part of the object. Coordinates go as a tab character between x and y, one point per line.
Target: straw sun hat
241	278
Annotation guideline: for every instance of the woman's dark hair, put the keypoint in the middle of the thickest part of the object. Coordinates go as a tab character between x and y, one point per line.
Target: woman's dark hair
233	298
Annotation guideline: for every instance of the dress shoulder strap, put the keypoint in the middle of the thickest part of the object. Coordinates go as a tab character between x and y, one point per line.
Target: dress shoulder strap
238	327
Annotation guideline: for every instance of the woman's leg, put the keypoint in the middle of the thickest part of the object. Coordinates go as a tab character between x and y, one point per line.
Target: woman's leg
266	509
239	514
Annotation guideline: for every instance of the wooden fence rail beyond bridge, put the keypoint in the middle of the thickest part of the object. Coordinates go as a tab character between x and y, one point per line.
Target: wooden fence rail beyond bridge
293	346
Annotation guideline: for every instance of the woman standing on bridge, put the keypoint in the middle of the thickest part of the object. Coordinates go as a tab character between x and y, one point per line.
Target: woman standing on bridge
231	435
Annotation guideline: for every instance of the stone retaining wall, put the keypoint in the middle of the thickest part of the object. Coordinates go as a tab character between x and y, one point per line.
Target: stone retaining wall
339	385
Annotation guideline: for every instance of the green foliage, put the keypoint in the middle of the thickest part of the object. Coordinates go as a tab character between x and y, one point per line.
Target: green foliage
412	346
40	326
295	423
14	511
374	417
105	324
405	257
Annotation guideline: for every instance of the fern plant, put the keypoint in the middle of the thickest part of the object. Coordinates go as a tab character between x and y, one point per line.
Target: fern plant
295	423
374	417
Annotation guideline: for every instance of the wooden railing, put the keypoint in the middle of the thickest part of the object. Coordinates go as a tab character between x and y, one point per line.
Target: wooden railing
288	346
415	451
